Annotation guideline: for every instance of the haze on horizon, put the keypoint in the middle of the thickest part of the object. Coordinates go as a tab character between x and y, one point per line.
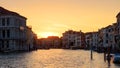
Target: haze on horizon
53	17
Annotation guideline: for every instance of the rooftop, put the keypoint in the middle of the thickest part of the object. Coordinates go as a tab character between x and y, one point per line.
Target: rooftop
4	11
118	15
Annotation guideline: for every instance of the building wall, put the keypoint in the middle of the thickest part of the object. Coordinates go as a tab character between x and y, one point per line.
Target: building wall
12	33
95	39
88	39
73	38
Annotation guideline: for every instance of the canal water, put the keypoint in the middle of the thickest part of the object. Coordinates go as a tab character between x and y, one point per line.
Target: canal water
54	58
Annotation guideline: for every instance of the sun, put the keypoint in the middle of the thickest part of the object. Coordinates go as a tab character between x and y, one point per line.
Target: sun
46	34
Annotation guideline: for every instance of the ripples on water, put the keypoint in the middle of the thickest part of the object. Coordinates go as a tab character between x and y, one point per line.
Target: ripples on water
53	58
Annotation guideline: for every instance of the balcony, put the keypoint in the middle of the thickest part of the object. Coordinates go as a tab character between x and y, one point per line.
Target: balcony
13	38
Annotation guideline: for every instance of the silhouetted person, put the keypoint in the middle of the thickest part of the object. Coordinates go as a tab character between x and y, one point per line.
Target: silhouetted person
105	56
105	52
108	59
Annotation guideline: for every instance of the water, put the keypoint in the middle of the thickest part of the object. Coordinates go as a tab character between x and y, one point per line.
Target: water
54	58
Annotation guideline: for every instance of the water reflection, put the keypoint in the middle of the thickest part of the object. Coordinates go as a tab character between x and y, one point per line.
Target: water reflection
54	58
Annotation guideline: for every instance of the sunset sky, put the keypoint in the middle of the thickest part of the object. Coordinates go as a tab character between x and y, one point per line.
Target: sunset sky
53	17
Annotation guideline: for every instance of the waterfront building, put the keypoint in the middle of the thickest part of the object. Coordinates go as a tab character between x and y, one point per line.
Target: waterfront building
118	17
109	36
117	33
54	42
43	43
13	31
35	39
68	39
88	39
105	38
101	35
91	40
30	38
49	42
80	40
95	40
73	39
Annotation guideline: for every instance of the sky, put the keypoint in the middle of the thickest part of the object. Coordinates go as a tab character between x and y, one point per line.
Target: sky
54	17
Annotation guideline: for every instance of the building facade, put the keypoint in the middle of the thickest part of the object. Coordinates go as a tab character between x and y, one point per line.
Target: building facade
13	31
73	39
88	39
50	42
117	33
94	40
80	40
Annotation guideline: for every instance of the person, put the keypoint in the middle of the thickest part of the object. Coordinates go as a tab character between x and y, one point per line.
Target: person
104	56
108	59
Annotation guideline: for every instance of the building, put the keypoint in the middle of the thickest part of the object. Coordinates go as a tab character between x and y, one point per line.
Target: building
117	33
54	42
94	40
49	42
88	39
43	43
118	17
108	37
30	38
80	40
68	38
72	38
103	38
111	35
13	31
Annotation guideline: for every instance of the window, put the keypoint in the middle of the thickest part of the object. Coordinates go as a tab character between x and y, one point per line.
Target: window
109	30
2	44
3	33
3	21
8	21
106	41
106	35
7	44
8	33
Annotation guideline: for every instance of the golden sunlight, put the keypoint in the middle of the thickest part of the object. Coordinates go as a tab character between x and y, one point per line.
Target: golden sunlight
46	34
